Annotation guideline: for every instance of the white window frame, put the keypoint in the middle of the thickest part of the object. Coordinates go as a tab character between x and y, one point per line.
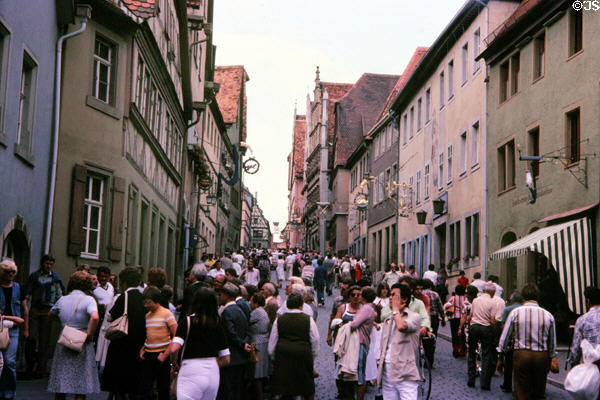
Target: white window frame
100	62
450	78
475	135
418	188
463	153
449	157
441	171
476	46
426	182
90	204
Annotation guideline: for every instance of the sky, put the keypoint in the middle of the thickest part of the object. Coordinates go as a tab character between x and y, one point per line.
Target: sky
281	42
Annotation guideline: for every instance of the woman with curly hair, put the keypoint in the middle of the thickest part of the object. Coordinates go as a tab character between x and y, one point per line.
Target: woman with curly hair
204	349
76	372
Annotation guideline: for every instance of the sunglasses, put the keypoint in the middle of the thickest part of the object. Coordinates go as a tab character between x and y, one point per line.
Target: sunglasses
10	271
355	294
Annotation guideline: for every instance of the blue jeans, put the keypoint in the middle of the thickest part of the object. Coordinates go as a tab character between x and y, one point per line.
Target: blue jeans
8	379
320	288
362	364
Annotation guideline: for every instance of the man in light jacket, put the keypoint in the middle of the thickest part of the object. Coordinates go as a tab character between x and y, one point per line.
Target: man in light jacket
398	374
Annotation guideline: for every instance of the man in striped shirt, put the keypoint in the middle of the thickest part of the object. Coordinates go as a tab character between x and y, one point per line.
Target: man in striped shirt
531	333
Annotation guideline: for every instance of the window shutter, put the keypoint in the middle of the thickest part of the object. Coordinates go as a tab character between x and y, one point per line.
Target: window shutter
76	233
116	226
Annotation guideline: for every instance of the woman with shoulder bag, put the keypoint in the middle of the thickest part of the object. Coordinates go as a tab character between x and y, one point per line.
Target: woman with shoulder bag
122	368
204	349
75	372
10	308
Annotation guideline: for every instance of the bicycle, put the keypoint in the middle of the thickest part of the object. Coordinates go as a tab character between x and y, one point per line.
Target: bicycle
424	372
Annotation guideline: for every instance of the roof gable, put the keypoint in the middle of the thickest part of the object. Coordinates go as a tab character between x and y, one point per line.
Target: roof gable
357	112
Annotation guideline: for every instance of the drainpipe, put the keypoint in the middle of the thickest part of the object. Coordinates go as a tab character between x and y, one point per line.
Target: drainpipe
84	12
485	160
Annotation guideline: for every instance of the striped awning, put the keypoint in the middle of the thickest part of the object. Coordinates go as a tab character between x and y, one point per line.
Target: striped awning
568	247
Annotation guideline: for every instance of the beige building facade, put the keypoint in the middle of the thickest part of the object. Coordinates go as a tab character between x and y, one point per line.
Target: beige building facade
441	111
120	172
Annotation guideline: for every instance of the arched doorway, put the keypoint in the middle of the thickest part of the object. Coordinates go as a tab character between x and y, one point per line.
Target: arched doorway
16	244
509	266
16	247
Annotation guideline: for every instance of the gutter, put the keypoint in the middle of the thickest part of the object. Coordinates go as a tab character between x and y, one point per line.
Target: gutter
84	12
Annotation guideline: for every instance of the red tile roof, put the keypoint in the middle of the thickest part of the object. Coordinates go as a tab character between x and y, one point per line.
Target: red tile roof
410	68
299	142
337	90
141	8
232	80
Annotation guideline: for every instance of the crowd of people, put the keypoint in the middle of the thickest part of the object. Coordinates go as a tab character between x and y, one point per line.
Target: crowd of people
233	335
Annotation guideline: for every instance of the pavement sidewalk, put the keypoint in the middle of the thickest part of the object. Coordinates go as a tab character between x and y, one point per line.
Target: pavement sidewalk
553	379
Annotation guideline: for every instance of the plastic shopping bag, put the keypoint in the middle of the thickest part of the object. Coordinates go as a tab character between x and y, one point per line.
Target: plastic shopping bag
583	381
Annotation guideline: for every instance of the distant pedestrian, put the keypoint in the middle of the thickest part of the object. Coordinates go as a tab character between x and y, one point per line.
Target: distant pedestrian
462	279
431	274
516	300
453	310
532	333
320	282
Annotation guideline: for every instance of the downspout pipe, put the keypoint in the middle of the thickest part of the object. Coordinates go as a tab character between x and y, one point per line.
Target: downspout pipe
56	120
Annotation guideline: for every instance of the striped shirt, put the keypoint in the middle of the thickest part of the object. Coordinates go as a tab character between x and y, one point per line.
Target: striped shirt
158	334
457	301
529	327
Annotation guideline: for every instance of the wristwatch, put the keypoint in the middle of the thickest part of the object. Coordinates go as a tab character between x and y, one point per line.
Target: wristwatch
395	312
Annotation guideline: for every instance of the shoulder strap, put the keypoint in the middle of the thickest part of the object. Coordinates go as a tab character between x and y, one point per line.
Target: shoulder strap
187	334
125	312
75	310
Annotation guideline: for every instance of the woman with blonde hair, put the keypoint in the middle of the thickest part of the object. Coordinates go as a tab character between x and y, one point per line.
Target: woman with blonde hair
10	297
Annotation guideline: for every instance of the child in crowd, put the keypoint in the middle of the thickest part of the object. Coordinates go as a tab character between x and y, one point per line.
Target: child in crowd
160	329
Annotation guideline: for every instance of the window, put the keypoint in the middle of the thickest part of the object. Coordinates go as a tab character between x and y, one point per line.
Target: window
426	183
504	82
573	135
103	70
455	242
475	144
380	186
419	106
515	71
395	173
405	129
418	188
26	104
4	46
143	239
450	148
410	197
472	236
442	83
412	122
506	166
441	171
533	148
132	224
427	104
575	32
465	62
476	42
539	61
450	79
92	216
463	153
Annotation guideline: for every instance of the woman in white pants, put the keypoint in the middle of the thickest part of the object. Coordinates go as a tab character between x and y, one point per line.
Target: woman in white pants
204	349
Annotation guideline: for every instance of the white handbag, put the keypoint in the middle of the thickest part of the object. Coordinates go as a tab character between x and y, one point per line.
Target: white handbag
73	338
119	327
